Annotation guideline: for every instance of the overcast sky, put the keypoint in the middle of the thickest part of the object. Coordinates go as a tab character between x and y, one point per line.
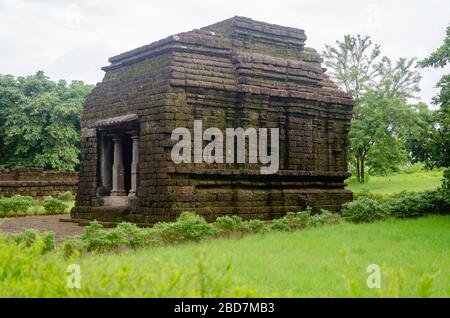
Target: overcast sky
73	39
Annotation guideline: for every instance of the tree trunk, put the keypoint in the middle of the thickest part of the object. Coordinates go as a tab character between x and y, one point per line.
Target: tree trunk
362	169
358	171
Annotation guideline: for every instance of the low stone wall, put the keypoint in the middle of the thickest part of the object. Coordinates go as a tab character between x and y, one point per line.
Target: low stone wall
35	182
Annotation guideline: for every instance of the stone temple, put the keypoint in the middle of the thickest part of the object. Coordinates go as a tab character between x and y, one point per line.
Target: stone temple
235	73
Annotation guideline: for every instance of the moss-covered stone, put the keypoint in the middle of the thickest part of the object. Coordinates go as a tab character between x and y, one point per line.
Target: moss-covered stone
235	73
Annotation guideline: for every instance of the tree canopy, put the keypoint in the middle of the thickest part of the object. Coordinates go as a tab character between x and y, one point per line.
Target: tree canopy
40	121
438	147
382	118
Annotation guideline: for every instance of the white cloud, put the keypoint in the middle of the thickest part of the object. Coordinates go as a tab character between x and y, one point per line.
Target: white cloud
73	39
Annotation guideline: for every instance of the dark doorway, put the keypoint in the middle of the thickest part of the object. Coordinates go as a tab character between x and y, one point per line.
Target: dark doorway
127	147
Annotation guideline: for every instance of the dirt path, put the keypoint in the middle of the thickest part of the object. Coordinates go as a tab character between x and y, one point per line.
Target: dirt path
42	223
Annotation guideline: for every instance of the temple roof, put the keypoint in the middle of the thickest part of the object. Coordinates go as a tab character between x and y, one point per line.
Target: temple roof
113	121
242	55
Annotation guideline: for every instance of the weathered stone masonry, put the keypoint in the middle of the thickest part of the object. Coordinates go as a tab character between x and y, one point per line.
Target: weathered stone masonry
35	182
236	73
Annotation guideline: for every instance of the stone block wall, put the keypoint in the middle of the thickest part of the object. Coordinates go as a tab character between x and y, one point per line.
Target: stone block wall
35	182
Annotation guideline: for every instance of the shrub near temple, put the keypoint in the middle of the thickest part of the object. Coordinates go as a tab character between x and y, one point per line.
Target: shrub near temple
229	225
53	205
414	205
188	227
300	220
66	196
363	210
401	205
293	221
16	205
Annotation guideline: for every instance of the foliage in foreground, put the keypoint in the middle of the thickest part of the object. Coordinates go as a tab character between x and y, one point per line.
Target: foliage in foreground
189	227
300	220
29	266
32	266
27	269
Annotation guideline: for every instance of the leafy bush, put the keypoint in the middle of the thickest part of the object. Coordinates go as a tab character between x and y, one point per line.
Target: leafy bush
303	219
253	226
16	205
5	207
48	239
133	235
414	205
228	224
95	238
362	210
66	196
188	227
52	205
293	221
27	237
72	247
30	237
326	217
366	193
444	190
22	203
400	205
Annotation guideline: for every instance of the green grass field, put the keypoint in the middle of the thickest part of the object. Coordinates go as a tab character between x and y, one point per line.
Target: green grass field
416	182
413	256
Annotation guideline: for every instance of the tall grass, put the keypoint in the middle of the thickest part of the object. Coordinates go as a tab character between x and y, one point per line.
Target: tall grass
413	256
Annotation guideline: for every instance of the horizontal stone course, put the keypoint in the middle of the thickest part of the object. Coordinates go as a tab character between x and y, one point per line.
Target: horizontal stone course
36	182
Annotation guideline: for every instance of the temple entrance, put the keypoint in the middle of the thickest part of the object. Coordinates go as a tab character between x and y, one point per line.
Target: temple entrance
118	162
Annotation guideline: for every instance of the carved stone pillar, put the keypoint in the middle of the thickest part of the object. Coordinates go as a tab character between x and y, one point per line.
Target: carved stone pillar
106	165
118	180
134	165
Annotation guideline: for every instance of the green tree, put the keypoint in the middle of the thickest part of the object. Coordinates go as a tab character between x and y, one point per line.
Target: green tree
419	139
10	96
351	63
396	79
42	123
439	144
380	88
378	130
